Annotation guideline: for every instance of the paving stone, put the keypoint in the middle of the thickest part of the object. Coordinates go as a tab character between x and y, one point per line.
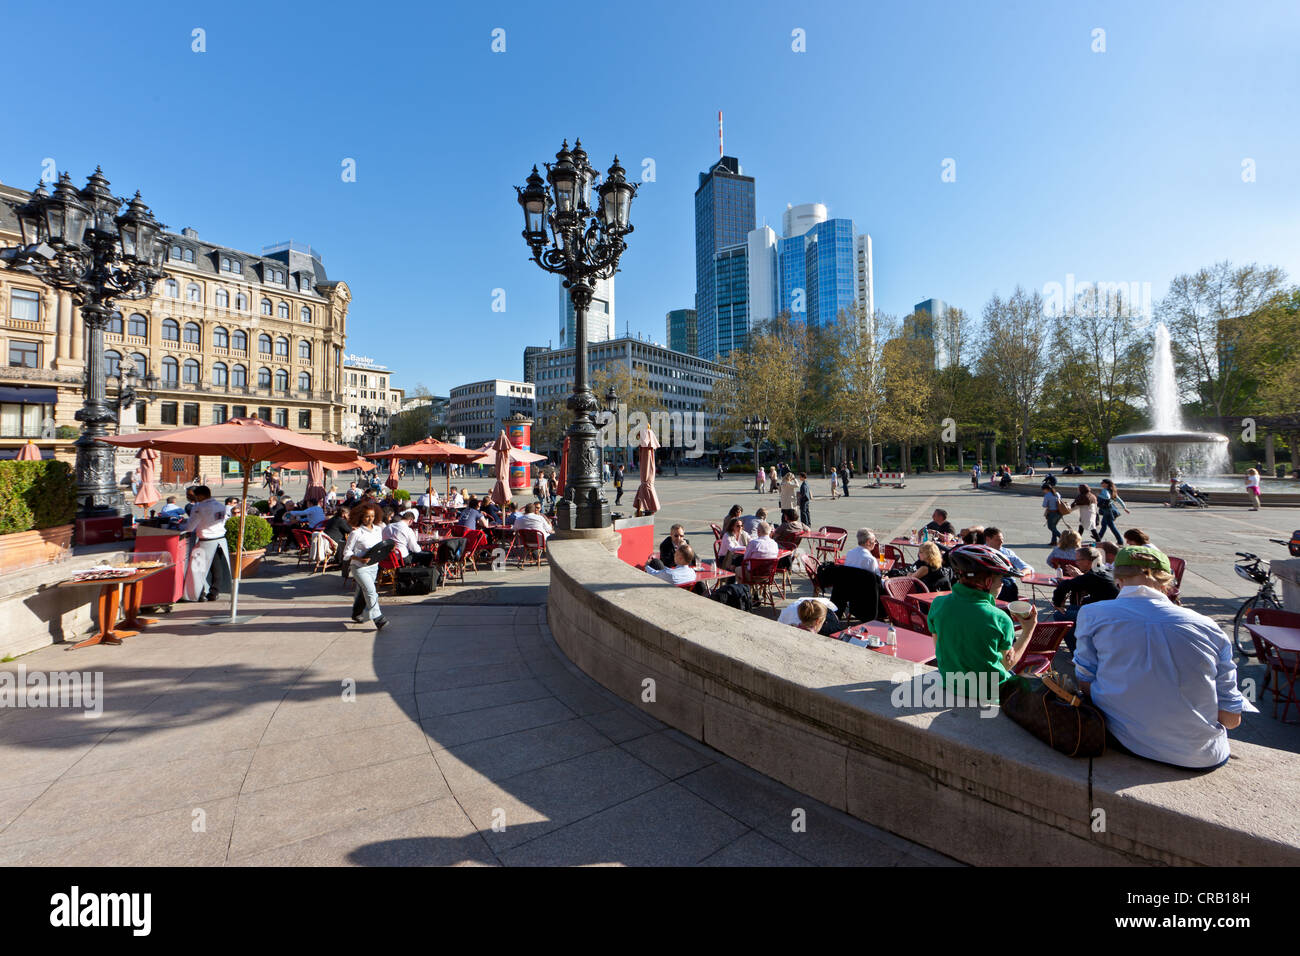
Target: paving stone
754	849
500	758
452	730
661	751
319	718
282	763
668	826
459	699
469	675
623	723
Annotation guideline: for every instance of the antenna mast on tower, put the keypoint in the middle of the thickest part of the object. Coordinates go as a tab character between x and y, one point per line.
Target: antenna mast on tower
719	134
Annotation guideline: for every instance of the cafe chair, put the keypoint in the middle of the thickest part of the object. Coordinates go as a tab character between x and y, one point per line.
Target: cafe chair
761	576
901	587
894	553
533	544
1276	660
1042	647
1176	566
830	550
717	530
388	569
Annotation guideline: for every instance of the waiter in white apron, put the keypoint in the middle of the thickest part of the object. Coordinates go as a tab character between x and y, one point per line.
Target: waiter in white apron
209	564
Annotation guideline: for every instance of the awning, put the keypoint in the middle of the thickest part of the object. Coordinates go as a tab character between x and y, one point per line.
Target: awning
29	396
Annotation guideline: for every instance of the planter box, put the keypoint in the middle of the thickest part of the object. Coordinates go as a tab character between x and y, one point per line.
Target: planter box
30	549
251	562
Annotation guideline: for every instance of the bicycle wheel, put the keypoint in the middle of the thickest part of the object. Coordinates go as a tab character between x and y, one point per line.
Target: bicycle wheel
1245	644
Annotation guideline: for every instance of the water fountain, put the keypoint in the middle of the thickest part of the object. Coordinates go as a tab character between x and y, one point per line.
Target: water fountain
1150	457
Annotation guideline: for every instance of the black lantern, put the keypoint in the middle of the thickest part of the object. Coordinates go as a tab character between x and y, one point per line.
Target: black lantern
31	217
138	233
66	216
585	244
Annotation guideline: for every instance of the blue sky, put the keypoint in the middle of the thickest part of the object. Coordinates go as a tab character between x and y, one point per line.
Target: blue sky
1124	165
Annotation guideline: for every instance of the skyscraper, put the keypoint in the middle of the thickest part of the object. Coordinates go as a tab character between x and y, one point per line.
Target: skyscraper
866	282
682	331
600	314
724	217
926	324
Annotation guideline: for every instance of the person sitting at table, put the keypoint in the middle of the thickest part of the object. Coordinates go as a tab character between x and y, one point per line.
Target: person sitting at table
972	535
1066	550
862	556
1164	676
353	494
332	496
1136	537
669	545
1010	588
815	614
408	543
427	500
491	509
511	514
930	570
735	512
311	515
470	516
456	499
972	635
939	524
532	519
1093	583
682	570
731	549
750	522
761	545
171	509
788	531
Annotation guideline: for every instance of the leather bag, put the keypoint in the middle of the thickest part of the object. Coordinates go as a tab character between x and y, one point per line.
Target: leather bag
1056	716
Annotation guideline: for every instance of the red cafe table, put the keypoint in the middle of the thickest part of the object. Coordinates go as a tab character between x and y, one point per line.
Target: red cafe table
912	645
709	577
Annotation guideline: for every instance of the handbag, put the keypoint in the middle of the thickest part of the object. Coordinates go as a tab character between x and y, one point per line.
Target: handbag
1056	716
1062	506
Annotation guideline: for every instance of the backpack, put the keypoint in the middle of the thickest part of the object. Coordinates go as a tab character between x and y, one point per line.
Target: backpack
734	594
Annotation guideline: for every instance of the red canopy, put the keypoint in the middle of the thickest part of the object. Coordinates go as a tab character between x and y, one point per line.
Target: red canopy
430	451
28	452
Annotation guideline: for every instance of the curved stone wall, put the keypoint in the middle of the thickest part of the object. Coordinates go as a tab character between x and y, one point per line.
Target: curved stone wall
821	717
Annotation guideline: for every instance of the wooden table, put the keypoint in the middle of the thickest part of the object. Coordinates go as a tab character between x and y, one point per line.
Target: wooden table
912	645
1285	638
117	594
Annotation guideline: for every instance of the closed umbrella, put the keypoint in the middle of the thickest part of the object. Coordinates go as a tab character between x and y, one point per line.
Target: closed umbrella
149	492
248	441
29	452
394	471
646	501
315	481
501	490
562	479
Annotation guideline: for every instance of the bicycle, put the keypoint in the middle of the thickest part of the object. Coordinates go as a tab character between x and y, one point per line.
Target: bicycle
1250	567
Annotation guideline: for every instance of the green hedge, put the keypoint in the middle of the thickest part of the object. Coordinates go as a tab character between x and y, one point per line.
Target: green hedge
401	494
36	495
262	505
257	533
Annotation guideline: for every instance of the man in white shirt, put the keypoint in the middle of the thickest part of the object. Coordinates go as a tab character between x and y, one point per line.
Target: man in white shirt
208	522
457	499
1010	589
762	545
533	520
790	613
313	514
861	556
408	543
683	572
427	500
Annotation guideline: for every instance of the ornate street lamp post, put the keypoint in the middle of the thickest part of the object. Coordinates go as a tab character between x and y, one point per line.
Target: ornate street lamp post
81	242
756	428
1075	442
825	434
611	406
571	239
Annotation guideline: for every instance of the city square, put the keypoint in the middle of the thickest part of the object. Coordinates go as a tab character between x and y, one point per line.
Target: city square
398	469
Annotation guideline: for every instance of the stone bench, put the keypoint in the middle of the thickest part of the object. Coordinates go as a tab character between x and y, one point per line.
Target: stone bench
817	715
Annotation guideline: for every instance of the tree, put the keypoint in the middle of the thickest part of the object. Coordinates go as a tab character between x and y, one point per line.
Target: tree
770	382
1014	358
906	416
953	395
1211	314
858	387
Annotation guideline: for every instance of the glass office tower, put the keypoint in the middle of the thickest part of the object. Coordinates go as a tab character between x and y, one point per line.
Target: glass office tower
724	217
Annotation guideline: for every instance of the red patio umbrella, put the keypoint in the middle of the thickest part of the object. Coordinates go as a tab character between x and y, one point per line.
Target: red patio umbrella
28	452
149	492
501	490
315	481
562	479
394	471
430	451
248	441
646	501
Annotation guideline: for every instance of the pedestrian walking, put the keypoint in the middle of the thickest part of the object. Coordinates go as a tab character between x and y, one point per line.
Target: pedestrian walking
975	477
720	469
618	485
1252	488
1054	509
760	479
774	483
1108	505
805	499
835	484
845	474
367	531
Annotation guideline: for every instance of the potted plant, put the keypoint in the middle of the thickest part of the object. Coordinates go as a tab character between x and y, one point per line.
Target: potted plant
38	500
257	535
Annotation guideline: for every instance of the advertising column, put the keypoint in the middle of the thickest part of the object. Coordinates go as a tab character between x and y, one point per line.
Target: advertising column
520	432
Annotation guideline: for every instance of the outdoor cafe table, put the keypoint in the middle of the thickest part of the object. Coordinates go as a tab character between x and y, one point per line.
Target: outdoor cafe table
912	645
1036	581
1284	638
885	564
708	577
923	599
118	594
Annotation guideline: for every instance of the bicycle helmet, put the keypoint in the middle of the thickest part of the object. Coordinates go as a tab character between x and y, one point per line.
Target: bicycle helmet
968	560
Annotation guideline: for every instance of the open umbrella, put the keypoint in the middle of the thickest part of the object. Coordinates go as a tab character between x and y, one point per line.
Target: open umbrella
646	501
29	452
248	441
430	451
149	492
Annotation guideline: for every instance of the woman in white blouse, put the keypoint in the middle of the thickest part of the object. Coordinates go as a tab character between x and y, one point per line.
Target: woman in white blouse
367	531
732	548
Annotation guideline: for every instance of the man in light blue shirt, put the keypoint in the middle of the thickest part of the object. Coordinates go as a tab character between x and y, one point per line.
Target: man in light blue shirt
312	515
1010	589
1163	675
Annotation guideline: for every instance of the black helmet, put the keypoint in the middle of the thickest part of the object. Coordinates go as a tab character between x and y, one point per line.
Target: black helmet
971	560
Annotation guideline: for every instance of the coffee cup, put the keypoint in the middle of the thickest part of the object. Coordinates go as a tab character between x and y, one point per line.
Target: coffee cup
1020	609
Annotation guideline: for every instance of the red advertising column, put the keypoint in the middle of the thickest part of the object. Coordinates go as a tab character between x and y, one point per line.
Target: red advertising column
520	432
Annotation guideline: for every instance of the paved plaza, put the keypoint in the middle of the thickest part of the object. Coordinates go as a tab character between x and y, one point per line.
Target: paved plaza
461	735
